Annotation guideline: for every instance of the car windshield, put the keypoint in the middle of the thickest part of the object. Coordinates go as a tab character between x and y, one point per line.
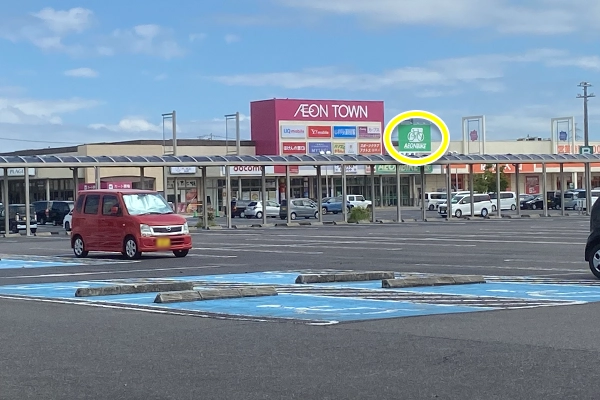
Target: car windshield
146	203
252	204
456	199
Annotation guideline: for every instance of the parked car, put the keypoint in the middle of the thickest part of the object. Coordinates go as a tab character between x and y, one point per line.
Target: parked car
434	199
334	205
67	221
592	246
254	209
461	205
534	203
238	208
17	218
358	200
508	200
52	211
128	221
299	208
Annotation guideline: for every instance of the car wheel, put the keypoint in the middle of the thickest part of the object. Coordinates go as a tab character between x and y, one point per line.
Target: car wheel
79	247
323	211
33	230
67	226
348	209
293	216
242	214
493	208
484	212
595	261
513	207
431	207
130	249
316	214
180	253
259	215
533	207
458	213
557	207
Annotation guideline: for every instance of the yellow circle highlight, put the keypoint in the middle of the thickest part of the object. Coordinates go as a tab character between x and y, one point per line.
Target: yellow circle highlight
418	162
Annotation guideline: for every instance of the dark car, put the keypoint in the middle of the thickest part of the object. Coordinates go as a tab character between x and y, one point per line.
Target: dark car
592	247
238	207
52	211
530	200
18	218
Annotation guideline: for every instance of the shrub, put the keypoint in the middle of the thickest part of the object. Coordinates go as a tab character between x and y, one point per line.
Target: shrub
359	214
210	216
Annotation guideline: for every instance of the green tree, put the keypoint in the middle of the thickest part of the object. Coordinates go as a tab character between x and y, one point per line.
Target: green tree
486	182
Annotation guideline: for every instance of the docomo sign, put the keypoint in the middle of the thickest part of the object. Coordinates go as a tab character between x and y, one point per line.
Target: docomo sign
255	170
416	114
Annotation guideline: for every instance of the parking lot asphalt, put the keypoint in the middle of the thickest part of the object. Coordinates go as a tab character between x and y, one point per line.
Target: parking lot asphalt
57	348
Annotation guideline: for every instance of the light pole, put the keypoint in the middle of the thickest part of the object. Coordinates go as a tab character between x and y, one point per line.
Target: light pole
236	118
586	138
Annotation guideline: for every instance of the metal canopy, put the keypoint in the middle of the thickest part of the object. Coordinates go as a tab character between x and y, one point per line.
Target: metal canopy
51	161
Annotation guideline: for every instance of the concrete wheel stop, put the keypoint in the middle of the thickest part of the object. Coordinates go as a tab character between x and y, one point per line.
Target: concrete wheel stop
133	289
345	277
439	280
214	294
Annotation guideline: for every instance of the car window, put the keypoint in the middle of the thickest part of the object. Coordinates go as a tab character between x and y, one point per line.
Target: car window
252	204
79	204
108	202
360	198
307	203
92	203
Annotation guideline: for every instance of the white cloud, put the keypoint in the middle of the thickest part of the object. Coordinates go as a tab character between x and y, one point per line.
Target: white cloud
231	38
48	29
197	37
14	110
151	40
537	17
161	77
82	73
63	22
129	124
484	72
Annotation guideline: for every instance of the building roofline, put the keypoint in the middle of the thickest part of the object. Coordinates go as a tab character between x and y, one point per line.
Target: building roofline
137	142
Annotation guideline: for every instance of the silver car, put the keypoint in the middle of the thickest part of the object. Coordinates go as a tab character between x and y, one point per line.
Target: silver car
254	209
300	208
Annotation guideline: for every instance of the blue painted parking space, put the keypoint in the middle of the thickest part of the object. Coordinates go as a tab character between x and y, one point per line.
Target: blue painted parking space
16	263
331	302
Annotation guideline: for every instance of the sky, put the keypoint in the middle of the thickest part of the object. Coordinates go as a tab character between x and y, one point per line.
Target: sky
97	71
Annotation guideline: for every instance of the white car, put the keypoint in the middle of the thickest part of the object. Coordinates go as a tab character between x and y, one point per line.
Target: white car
67	224
461	206
254	209
357	200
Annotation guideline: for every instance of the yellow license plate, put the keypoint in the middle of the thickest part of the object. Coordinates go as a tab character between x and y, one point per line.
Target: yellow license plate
163	242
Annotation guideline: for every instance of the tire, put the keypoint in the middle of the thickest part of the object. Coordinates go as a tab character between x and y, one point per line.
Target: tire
33	231
458	213
594	261
242	214
293	216
43	221
259	215
67	226
130	249
348	210
513	207
79	247
323	210
180	253
484	212
557	207
316	215
431	207
493	208
533	207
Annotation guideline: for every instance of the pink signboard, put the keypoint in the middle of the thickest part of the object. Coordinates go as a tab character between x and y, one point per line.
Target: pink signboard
316	116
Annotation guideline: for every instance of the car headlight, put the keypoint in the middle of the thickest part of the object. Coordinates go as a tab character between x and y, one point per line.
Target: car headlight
145	230
186	228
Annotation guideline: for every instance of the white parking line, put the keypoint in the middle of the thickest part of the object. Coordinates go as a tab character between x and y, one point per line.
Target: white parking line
132	271
233	249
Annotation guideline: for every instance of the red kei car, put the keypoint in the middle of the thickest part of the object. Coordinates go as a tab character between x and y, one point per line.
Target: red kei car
127	221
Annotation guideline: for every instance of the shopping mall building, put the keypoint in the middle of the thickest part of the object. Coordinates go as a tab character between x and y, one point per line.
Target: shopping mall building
294	127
